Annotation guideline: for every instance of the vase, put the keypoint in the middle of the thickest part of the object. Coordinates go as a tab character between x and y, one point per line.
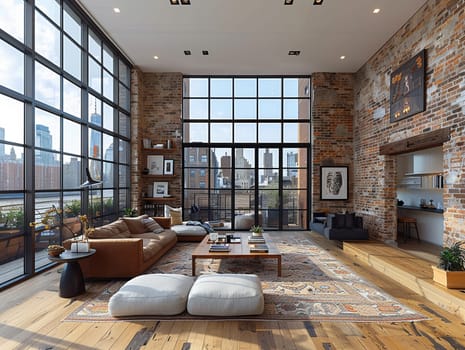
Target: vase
80	247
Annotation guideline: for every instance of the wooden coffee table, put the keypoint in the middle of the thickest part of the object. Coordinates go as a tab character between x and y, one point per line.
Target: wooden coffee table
238	250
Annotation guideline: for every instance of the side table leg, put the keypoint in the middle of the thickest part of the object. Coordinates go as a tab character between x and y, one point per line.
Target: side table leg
193	266
279	266
72	280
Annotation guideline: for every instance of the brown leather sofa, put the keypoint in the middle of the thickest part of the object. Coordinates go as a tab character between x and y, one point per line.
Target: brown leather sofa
126	247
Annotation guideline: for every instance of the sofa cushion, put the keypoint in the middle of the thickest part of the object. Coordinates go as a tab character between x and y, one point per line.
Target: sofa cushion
226	295
175	214
350	220
152	226
136	225
152	294
115	229
339	221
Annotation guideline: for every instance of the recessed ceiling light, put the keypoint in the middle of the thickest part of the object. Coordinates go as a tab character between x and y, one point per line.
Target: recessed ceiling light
376	10
116	10
186	2
288	2
174	2
156	57
317	2
294	53
187	52
342	57
205	52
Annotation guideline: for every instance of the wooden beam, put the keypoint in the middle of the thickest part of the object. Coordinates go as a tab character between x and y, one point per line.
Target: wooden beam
416	143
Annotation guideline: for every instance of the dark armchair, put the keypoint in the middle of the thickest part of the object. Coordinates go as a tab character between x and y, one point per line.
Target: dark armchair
345	227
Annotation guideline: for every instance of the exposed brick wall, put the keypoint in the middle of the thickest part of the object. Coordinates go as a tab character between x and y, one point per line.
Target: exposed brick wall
332	132
439	27
156	114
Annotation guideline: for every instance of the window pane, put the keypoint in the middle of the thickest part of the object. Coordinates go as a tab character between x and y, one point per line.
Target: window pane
196	87
124	97
108	85
12	168
95	75
47	39
124	73
124	129
12	18
108	117
245	109
108	196
123	199
245	132
95	110
220	132
95	46
72	58
108	174
11	68
196	109
71	98
123	175
221	87
196	132
269	109
108	147
71	172
295	157
47	130
47	170
297	109
269	132
72	24
245	87
51	8
123	151
296	132
269	87
11	122
95	143
108	59
47	86
71	137
221	109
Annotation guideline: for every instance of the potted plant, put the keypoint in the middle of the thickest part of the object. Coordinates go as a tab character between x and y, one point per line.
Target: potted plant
450	271
257	230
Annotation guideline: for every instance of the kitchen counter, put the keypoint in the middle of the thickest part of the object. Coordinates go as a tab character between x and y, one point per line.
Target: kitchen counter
411	207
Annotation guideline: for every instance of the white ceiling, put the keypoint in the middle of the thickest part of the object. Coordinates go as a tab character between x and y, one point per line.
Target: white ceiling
250	36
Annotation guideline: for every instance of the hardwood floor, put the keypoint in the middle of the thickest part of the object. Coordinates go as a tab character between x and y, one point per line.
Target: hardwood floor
31	316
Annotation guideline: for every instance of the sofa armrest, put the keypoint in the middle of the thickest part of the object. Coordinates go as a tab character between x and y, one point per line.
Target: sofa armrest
114	257
163	221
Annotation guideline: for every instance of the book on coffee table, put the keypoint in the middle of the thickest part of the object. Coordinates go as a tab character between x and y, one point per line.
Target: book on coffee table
256	239
258	248
219	248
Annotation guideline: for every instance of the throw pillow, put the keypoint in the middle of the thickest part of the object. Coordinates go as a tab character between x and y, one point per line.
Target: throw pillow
152	225
115	229
339	221
350	220
175	214
136	226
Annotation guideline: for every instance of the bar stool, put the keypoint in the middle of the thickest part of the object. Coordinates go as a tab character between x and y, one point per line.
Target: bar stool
405	224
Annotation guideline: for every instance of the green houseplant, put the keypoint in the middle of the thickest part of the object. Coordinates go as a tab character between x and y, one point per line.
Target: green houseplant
256	230
450	271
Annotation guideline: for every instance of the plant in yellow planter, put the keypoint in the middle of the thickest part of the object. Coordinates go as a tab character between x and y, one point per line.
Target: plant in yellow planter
450	271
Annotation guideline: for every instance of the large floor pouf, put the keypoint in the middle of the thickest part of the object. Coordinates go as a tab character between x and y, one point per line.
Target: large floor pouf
152	294
226	295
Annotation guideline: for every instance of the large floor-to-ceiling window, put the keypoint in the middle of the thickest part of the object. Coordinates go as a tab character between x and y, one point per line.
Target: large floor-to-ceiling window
64	107
246	146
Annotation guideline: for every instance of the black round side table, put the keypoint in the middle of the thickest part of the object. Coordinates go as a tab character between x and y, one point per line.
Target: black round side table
72	280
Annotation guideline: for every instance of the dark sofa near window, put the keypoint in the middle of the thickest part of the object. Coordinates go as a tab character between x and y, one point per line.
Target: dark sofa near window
340	227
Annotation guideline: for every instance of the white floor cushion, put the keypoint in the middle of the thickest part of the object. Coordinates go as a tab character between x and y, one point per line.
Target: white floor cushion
226	295
152	294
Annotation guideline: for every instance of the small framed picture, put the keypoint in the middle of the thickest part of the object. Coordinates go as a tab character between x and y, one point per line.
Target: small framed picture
169	170
334	183
160	189
155	165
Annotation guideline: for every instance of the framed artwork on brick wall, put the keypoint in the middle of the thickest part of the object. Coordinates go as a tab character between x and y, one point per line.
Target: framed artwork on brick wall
407	92
155	165
334	182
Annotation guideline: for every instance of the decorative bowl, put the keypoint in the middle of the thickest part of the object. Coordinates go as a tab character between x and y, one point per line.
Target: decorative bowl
55	250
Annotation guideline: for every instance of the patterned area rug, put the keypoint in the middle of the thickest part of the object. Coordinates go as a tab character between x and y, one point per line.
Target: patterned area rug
314	286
